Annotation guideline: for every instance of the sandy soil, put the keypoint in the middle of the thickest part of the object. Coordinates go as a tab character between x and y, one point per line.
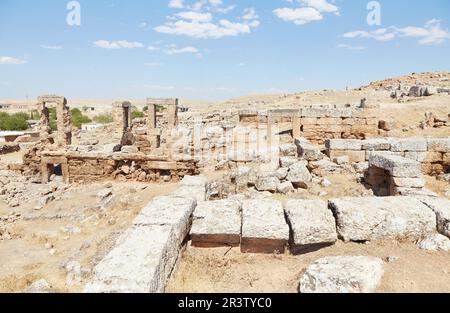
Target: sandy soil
72	228
229	271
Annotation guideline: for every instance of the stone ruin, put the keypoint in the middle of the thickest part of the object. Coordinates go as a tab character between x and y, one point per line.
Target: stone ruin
143	154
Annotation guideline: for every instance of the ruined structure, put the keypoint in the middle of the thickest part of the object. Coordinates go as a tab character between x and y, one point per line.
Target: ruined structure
140	156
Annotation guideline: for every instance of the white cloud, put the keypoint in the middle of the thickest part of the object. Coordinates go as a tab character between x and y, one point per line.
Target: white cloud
199	21
381	34
12	61
299	16
321	6
350	47
51	47
105	44
152	48
185	50
431	33
176	4
195	16
309	11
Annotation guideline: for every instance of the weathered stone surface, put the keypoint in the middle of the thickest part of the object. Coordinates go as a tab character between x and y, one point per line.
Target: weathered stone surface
281	173
267	183
353	156
217	223
139	262
299	175
408	182
435	242
409	144
192	186
307	150
145	254
285	187
441	208
343	274
397	166
288	150
439	144
365	219
376	144
343	144
312	224
264	228
288	161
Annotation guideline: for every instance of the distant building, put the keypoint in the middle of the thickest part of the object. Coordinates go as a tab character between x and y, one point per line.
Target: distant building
4	106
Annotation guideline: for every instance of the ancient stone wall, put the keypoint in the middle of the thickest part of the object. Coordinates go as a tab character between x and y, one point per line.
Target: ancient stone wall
319	123
432	153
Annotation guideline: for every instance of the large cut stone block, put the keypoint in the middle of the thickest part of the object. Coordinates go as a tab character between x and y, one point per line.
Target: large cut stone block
409	144
343	274
397	166
140	263
441	207
365	219
343	144
312	224
144	256
217	223
264	228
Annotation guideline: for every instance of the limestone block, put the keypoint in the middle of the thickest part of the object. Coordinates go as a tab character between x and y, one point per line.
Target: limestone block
264	228
366	219
397	166
285	187
435	242
408	182
299	175
354	156
409	144
343	274
377	144
441	208
267	183
312	224
216	223
343	144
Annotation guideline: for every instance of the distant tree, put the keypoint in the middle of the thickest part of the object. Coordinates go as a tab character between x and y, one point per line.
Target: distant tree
103	118
78	118
137	114
14	122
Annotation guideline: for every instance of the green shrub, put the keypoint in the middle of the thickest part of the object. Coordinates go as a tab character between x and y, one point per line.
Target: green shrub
137	114
14	122
103	118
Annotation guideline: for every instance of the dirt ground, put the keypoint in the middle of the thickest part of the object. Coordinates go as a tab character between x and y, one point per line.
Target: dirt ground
73	228
229	271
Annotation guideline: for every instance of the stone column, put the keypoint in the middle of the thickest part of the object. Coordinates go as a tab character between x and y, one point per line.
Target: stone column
64	123
151	116
296	127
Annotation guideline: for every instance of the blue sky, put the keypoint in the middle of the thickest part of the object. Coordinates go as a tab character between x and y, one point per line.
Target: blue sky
213	49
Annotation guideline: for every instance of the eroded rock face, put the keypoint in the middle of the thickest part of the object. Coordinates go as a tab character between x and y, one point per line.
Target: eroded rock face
217	223
264	228
312	224
365	219
342	274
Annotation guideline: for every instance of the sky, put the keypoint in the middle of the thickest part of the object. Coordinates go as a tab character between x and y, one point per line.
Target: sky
213	49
